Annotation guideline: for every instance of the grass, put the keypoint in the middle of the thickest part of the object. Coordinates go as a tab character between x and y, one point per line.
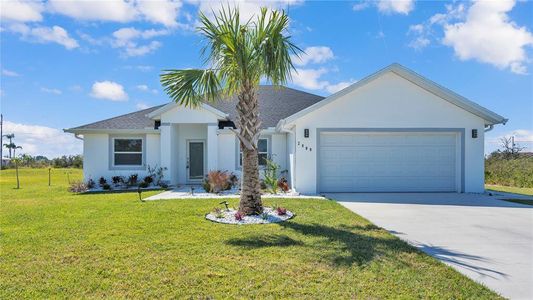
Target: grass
510	189
520	201
58	245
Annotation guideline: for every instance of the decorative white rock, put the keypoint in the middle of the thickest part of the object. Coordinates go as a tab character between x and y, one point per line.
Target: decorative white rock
270	216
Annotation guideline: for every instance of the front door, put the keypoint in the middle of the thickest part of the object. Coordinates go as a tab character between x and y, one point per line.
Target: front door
195	160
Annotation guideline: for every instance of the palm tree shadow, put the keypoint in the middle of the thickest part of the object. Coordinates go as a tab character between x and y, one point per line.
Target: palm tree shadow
264	241
343	246
463	260
347	245
354	243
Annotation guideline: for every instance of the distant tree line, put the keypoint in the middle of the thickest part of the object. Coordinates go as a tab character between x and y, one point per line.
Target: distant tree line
509	165
39	161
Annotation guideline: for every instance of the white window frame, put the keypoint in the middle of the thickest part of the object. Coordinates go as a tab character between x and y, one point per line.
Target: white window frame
239	152
112	153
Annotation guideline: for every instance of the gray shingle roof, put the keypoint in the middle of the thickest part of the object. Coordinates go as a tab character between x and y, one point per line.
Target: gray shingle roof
275	103
134	120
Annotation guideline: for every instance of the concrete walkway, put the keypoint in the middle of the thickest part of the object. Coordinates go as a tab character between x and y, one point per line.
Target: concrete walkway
185	192
488	240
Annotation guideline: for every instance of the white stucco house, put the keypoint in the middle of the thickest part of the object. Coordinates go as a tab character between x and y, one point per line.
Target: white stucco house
393	131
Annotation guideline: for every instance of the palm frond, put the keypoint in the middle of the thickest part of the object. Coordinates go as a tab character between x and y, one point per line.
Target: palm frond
191	87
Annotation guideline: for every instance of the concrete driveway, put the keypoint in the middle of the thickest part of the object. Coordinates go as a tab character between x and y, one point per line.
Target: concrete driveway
487	239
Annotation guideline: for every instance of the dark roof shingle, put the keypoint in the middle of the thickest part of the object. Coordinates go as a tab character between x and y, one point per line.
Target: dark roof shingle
134	120
275	103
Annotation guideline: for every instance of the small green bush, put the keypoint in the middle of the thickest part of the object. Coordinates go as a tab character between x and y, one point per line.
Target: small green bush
516	172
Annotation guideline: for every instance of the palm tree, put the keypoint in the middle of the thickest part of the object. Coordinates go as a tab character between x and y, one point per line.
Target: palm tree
10	137
12	146
237	56
17	161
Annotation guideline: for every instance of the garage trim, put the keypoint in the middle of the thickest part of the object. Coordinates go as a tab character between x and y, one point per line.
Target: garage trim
457	130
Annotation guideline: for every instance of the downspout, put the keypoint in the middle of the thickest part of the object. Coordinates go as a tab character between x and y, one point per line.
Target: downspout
76	135
489	127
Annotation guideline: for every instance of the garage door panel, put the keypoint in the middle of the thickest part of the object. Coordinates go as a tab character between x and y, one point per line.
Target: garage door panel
352	162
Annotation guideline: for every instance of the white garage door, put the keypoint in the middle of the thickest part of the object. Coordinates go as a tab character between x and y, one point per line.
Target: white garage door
387	162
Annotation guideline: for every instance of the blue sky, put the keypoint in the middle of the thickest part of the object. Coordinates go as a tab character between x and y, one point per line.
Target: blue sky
67	63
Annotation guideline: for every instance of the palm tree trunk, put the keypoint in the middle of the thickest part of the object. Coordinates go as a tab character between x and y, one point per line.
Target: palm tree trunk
17	172
249	126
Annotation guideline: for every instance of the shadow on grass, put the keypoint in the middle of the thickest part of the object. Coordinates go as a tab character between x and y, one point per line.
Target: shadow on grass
460	259
342	246
347	245
265	241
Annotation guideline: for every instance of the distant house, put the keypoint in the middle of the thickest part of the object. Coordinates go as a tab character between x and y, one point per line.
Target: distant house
393	131
5	161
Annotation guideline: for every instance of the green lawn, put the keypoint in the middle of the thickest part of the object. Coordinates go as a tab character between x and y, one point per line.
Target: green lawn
510	189
58	245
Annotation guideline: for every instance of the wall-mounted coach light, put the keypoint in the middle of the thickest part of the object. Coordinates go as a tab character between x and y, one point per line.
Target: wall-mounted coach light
306	133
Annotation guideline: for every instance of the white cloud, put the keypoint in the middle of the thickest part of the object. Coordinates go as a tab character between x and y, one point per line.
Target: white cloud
108	90
247	9
42	140
87	10
127	39
489	36
483	32
141	106
522	137
21	11
42	34
9	73
396	6
316	54
51	91
333	88
311	79
163	12
361	5
419	43
387	6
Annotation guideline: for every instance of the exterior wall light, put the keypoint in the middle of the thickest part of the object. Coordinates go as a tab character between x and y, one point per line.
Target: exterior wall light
474	133
306	133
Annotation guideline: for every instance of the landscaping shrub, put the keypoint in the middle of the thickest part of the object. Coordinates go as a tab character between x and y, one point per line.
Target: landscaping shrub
90	184
517	171
271	176
144	184
281	211
132	180
157	175
217	181
106	186
102	181
283	184
117	180
78	187
148	179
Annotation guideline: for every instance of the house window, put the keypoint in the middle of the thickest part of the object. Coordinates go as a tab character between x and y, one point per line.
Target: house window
128	151
262	147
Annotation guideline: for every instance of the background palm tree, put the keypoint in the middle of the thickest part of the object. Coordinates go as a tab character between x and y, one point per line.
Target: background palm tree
10	137
12	146
238	55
